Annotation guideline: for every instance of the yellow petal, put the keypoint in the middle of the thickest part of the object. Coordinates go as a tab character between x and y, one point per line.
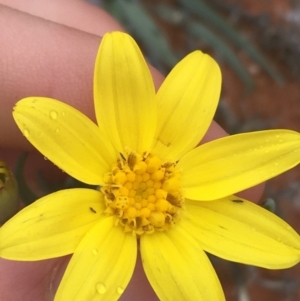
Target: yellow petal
187	101
238	230
101	266
177	267
52	226
228	165
124	93
66	137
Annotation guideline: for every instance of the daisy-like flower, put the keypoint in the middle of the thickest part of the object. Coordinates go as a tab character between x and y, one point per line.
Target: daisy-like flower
157	189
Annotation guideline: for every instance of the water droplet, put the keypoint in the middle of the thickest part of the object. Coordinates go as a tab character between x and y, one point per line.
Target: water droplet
120	290
53	114
26	132
101	288
276	163
95	252
57	130
63	113
45	158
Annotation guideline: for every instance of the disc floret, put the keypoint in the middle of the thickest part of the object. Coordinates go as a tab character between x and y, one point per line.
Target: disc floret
143	193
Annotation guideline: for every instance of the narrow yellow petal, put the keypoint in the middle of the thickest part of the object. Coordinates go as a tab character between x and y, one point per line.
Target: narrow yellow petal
238	230
228	165
101	266
124	93
52	226
187	101
66	137
178	268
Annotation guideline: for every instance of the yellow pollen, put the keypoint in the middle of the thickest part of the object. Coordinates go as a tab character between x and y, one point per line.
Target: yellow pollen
138	205
128	185
132	193
151	198
157	175
131	212
138	178
119	177
145	212
140	168
123	191
151	206
145	177
144	203
157	185
131	176
150	183
144	193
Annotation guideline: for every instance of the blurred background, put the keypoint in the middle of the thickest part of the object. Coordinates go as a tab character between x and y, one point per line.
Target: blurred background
257	45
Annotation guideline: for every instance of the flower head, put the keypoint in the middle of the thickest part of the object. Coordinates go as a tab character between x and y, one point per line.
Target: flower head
156	186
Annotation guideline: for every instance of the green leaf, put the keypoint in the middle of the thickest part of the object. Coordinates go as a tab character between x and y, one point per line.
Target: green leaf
179	18
135	18
200	9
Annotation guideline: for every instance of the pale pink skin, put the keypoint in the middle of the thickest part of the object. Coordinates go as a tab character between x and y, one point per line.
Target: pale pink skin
34	63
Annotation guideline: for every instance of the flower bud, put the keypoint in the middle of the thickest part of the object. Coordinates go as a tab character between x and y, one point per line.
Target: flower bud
9	197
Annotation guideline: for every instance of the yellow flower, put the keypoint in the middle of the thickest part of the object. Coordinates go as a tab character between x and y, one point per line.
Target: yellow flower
157	189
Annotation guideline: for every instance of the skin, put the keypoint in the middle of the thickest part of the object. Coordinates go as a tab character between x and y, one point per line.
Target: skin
48	49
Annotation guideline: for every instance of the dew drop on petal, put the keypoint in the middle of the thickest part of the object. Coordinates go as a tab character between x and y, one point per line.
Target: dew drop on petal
120	290
63	113
45	158
101	288
57	130
95	252
289	228
26	132
53	115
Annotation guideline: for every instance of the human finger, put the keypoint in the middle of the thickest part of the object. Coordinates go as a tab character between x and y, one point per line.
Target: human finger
48	10
33	280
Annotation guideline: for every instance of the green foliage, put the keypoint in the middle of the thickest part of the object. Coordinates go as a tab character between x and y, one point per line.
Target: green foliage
199	23
135	18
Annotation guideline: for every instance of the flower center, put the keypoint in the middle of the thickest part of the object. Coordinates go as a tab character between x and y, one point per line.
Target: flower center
143	193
